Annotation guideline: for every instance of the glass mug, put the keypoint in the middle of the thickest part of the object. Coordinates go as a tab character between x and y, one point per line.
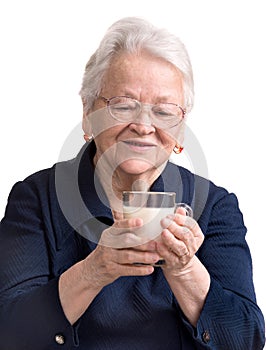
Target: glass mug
152	207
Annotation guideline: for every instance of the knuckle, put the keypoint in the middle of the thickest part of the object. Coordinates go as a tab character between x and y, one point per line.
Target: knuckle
186	231
128	256
147	257
192	224
182	253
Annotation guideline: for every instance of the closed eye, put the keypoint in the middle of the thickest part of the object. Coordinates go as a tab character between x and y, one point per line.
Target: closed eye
123	107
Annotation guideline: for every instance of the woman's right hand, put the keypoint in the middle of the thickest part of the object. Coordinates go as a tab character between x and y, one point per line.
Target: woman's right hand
119	248
117	251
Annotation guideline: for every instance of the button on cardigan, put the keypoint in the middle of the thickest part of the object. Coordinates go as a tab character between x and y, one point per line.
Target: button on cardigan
54	219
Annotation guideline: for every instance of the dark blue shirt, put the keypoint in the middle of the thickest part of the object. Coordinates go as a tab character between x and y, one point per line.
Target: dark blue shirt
54	219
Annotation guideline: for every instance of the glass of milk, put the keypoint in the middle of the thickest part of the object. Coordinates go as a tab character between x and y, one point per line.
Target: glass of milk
152	207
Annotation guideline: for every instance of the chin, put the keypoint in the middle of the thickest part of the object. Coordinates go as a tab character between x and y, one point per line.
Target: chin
137	167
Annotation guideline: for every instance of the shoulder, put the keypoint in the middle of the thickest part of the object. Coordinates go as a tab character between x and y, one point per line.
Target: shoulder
40	178
205	197
43	181
198	185
38	188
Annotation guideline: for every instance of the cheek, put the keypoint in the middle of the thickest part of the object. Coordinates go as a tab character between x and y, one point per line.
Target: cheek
167	140
170	138
103	125
107	138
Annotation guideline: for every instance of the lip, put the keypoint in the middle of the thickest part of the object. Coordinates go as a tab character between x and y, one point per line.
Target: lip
139	145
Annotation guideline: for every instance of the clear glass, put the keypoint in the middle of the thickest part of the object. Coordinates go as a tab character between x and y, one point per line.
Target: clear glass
152	207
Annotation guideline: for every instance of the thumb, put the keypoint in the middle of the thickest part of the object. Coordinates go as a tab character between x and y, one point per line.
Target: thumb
180	210
117	215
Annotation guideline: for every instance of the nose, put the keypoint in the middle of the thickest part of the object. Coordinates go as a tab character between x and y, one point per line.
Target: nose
143	116
143	122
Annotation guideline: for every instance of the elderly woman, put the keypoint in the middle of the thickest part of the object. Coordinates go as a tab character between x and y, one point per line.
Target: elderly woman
68	258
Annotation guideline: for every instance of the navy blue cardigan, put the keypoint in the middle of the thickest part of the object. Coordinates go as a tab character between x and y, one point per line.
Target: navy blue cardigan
50	224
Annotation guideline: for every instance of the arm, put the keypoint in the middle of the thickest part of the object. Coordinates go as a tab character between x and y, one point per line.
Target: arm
34	306
231	302
30	311
79	285
218	279
186	275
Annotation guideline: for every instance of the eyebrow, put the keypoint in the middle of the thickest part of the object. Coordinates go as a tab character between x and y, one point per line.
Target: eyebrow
159	99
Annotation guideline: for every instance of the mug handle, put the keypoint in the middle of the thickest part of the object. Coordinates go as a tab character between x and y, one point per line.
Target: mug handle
188	209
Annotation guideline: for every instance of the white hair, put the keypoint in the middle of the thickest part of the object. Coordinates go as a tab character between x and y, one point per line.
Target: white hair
132	34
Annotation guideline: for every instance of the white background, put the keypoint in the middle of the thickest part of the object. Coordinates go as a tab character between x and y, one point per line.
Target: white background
46	44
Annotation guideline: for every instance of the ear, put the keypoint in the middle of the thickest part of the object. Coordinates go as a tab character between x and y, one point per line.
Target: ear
86	123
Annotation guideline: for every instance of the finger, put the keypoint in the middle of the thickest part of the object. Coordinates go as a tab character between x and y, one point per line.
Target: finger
115	263
171	258
182	235
173	245
181	232
131	256
189	223
149	246
135	270
112	239
181	211
128	223
188	230
181	220
117	215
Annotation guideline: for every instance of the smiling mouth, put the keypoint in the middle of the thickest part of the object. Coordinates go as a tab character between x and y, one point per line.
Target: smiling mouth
139	146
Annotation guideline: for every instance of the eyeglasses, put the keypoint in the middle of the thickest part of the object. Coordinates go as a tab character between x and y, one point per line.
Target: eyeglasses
126	109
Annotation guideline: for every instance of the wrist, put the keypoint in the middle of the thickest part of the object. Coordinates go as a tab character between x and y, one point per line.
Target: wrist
185	272
90	278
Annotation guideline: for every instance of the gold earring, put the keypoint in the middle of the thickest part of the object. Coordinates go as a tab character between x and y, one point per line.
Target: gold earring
178	149
88	138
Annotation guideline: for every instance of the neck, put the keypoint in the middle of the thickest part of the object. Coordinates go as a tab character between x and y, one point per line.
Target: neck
115	182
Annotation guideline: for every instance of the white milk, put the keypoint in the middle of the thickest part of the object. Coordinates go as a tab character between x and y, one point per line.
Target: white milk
151	218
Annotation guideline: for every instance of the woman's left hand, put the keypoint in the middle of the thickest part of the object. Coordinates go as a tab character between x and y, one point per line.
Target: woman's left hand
187	277
179	241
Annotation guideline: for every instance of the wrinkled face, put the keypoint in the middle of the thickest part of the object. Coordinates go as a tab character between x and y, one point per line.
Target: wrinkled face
137	147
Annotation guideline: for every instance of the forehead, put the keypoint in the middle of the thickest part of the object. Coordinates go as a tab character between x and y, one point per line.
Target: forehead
140	71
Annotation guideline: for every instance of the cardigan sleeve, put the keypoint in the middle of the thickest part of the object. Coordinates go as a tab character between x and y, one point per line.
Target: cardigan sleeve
31	316
230	318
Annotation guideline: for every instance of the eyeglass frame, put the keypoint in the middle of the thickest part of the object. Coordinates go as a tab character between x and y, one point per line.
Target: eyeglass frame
108	100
